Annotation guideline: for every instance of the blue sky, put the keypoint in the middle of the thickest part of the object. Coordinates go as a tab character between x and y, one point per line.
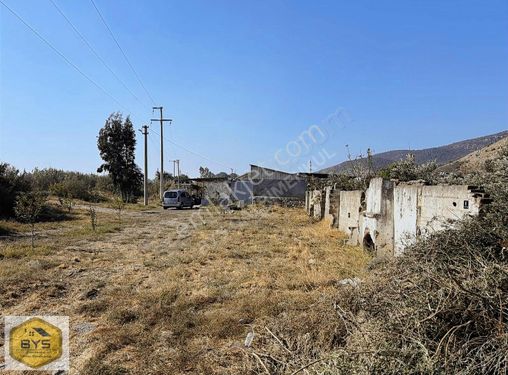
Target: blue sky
243	79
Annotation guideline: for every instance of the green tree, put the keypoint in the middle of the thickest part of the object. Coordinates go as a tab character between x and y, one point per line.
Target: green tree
29	207
204	172
117	144
12	183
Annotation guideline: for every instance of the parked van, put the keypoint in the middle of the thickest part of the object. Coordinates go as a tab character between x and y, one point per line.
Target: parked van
177	199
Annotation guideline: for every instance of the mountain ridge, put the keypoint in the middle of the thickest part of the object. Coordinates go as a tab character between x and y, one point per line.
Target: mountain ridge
441	154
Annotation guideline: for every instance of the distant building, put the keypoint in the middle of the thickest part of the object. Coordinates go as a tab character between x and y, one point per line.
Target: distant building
259	184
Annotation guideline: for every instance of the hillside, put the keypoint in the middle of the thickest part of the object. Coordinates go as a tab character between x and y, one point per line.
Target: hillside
475	161
442	154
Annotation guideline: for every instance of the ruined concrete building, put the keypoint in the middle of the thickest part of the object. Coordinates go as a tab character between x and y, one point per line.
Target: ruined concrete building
389	216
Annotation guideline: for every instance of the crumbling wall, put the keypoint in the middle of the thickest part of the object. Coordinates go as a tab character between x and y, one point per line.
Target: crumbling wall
308	196
218	191
335	206
350	207
377	226
328	215
388	216
317	203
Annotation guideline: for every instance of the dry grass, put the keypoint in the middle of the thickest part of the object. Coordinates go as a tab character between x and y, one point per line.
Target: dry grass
165	298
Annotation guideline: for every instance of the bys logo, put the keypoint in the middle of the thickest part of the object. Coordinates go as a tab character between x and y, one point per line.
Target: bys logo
27	344
35	343
31	343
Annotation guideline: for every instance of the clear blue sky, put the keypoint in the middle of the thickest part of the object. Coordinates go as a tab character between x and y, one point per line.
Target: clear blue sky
241	79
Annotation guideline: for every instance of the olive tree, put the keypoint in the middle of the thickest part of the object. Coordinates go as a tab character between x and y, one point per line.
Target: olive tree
29	207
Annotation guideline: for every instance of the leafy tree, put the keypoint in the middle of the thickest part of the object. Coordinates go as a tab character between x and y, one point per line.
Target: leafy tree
204	172
29	207
117	144
12	183
167	176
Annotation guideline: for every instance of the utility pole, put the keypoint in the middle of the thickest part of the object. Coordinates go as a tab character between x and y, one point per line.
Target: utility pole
161	175
174	169
145	178
178	171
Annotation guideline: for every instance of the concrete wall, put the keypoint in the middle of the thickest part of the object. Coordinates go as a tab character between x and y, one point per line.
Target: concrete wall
317	203
442	205
350	207
219	190
328	215
389	217
334	207
378	215
405	200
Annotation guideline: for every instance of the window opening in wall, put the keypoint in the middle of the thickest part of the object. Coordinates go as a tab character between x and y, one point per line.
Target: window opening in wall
454	204
349	214
466	205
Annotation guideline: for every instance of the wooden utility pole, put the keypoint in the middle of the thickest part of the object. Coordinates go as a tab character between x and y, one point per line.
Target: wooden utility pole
145	179
161	175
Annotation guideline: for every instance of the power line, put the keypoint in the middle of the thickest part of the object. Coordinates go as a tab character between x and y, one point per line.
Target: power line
61	54
193	152
90	47
121	50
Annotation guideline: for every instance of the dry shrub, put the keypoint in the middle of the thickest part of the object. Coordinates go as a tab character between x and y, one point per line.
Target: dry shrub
442	308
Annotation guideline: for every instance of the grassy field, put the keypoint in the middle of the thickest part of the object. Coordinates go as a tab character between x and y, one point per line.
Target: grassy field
178	292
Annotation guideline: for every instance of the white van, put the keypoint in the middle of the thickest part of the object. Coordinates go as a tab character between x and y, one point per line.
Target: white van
177	199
